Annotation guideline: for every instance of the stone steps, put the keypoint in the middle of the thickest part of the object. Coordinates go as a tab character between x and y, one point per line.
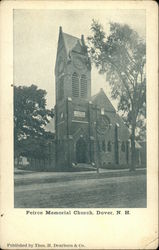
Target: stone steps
84	167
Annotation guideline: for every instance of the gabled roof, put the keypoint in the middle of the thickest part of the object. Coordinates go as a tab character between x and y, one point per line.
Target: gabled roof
70	41
102	100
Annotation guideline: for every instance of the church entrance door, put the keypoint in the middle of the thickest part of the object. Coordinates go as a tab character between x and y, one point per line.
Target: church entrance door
81	151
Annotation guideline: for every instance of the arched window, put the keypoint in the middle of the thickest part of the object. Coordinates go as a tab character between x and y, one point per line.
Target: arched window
75	85
109	146
123	146
83	86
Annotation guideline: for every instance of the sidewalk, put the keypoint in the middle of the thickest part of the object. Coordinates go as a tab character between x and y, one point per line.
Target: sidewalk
23	177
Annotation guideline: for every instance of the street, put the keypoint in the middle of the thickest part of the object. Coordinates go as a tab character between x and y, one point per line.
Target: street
77	190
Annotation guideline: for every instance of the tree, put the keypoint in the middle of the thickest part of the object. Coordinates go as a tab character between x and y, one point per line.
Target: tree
30	118
121	55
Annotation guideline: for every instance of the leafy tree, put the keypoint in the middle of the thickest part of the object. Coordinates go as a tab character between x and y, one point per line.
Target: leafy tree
30	118
122	56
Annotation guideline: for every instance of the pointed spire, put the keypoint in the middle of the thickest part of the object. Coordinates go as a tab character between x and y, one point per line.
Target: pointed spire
60	29
82	39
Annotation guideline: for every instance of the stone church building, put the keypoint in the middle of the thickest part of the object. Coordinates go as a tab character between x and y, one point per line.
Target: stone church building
88	129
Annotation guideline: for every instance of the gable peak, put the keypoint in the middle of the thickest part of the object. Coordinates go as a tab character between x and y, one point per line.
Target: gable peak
70	42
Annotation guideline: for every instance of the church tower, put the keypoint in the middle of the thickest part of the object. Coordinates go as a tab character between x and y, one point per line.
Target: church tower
73	105
72	68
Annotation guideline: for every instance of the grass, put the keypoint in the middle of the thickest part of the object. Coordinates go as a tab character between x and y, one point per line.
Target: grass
115	192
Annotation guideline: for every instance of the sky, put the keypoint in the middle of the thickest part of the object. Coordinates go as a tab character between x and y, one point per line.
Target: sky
35	34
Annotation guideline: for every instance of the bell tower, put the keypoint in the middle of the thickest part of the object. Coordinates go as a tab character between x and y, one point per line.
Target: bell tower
73	93
72	69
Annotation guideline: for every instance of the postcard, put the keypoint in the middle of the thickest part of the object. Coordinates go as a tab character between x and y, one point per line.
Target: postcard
79	125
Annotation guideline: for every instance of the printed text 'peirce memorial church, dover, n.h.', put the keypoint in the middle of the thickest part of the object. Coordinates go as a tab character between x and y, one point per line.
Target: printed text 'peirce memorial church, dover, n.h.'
88	130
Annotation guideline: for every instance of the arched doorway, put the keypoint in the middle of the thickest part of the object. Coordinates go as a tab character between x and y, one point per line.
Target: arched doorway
81	150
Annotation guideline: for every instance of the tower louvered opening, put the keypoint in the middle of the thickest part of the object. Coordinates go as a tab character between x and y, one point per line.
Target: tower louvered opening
83	86
75	85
